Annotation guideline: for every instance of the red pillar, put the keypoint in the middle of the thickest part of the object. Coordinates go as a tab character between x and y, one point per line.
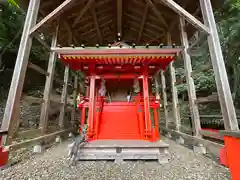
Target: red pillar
83	117
3	153
148	124
141	122
91	106
98	115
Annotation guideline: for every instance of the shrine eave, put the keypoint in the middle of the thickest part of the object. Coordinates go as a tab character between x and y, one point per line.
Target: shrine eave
116	59
141	51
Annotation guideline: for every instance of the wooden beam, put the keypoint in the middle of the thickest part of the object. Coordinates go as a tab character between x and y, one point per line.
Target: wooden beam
88	17
156	38
88	32
53	15
157	13
210	134
145	13
37	140
165	102
13	102
182	12
45	45
48	85
92	9
58	80
33	132
102	2
146	29
190	82
70	33
119	16
212	148
38	69
144	34
86	26
64	98
175	107
82	12
75	93
106	23
224	92
146	23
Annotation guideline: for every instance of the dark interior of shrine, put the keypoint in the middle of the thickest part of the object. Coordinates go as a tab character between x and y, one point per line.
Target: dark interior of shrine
117	90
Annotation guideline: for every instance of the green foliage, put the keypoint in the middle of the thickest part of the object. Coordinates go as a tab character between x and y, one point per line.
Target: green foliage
12	2
227	18
205	81
11	23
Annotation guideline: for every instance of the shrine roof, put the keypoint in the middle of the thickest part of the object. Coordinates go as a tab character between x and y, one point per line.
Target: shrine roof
93	22
121	60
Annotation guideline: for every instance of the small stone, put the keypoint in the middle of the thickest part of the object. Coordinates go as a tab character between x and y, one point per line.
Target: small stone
37	149
58	139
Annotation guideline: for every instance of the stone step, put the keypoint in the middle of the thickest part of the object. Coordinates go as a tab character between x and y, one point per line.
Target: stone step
120	150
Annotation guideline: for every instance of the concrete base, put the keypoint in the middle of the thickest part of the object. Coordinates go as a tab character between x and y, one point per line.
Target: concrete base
58	139
120	150
70	135
180	140
37	149
199	149
168	135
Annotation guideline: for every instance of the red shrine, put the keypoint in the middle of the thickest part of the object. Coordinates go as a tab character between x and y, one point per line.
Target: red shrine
119	103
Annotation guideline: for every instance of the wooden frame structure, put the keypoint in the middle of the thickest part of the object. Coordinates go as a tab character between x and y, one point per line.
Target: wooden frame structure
127	23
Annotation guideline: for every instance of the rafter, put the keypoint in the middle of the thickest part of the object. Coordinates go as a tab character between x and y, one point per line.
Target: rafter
106	23
87	32
146	23
100	3
157	13
146	29
105	18
82	12
92	9
70	33
104	10
53	15
143	23
119	16
176	20
87	18
158	38
190	18
86	26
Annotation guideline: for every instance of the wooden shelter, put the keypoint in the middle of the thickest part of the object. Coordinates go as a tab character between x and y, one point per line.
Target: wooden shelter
97	23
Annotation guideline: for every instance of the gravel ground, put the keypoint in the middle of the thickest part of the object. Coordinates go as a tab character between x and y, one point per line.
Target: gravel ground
184	165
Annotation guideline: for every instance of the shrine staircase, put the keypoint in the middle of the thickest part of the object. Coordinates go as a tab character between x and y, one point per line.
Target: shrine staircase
119	121
118	136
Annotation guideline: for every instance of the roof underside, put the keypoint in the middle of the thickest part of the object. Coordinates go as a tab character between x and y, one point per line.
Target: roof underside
118	60
138	21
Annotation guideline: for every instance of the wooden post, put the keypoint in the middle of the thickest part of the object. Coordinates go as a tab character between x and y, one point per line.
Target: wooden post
48	85
64	98
224	93
164	98
15	92
191	87
73	117
174	91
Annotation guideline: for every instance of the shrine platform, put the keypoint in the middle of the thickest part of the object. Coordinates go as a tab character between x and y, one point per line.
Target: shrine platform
123	150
